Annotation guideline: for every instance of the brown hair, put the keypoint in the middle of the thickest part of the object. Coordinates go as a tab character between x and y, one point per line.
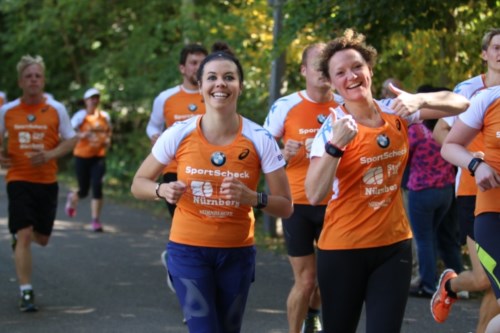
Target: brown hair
349	40
306	51
492	32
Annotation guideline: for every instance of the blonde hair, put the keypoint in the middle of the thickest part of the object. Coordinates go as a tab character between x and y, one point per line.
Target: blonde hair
28	60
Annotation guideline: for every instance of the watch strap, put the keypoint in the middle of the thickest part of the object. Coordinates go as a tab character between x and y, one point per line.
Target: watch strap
261	200
333	150
157	190
473	164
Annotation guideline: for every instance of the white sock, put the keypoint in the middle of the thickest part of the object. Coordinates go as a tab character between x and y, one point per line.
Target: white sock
24	287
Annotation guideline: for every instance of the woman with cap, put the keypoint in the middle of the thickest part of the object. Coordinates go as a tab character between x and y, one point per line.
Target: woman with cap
94	130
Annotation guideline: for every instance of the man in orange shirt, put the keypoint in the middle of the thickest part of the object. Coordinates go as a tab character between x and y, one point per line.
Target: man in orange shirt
39	132
178	103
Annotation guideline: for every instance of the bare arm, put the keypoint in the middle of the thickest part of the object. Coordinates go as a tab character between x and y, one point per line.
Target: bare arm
319	178
63	148
322	170
431	105
441	130
144	183
454	151
5	161
280	202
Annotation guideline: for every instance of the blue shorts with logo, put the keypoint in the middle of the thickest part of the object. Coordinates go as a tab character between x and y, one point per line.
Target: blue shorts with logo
212	285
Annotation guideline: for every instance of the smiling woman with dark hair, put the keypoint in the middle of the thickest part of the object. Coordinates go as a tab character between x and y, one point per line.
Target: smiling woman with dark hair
220	156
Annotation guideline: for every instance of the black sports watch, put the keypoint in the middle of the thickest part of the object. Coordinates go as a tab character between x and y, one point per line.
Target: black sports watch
333	150
261	200
473	164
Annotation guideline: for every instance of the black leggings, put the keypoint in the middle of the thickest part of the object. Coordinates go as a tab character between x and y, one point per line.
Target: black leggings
90	171
379	277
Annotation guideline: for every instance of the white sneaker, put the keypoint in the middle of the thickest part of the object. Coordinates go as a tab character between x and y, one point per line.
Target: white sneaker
169	279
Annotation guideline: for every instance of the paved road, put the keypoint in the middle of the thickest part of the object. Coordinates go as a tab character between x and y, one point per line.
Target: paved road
114	282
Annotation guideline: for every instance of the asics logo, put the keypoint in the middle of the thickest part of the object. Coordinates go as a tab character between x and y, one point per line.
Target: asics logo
244	154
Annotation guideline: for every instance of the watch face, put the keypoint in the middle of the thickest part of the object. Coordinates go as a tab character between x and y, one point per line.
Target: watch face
264	199
333	151
474	163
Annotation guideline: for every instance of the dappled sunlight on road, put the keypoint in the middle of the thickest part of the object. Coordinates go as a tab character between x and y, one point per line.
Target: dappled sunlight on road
79	310
61	225
271	311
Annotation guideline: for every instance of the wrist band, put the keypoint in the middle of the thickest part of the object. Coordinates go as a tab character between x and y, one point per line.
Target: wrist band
157	191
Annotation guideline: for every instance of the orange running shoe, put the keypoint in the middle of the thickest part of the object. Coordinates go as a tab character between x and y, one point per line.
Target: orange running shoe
441	301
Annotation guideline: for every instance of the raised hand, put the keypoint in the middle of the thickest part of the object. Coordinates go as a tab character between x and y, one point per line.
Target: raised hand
343	129
405	103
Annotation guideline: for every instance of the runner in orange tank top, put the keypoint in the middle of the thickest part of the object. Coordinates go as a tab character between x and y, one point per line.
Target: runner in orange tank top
364	251
220	156
39	132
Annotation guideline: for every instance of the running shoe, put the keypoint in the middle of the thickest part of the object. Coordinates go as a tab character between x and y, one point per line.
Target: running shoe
97	226
69	209
312	324
169	279
420	291
441	301
27	301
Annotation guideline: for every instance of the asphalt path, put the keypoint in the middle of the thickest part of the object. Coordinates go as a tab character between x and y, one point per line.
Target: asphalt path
114	281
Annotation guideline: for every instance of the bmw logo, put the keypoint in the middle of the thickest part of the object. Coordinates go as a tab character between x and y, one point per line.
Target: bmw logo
383	141
31	118
192	107
218	159
321	118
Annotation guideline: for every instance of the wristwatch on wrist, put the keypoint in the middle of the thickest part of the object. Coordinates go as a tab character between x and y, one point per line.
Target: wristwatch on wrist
474	163
333	150
157	190
261	200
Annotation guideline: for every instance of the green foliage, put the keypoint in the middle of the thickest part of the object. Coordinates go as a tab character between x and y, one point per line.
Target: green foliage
129	49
